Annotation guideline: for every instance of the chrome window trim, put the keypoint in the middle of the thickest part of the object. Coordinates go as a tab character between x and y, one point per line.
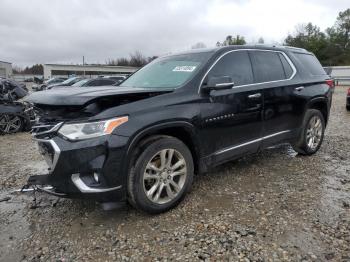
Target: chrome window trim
259	83
250	142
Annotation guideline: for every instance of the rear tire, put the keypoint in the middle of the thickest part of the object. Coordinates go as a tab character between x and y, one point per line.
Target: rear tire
312	133
161	175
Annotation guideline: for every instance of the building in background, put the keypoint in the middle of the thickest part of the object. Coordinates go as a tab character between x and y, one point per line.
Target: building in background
51	70
341	74
5	69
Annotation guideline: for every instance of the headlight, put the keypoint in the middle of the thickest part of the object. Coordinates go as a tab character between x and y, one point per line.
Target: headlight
91	129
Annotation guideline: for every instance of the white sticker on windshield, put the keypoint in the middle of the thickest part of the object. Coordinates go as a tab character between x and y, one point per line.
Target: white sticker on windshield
184	69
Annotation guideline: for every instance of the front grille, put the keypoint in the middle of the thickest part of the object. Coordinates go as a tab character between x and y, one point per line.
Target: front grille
41	128
46	149
44	134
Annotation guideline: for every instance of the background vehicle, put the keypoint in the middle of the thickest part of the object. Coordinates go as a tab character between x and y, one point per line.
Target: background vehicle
38	80
69	82
12	84
180	114
14	116
100	81
117	78
17	90
51	81
348	100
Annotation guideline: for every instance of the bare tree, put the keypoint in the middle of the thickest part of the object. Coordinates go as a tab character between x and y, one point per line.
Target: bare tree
261	40
17	69
230	40
151	58
123	61
137	59
199	45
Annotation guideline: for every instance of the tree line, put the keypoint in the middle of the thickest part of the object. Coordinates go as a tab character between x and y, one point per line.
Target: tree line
36	69
136	59
331	47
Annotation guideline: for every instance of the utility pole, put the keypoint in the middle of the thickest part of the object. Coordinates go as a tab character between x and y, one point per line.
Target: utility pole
84	64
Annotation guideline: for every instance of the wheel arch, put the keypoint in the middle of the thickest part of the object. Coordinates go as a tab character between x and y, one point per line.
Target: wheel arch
181	130
320	104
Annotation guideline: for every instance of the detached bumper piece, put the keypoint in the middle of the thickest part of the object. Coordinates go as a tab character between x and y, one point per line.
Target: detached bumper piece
40	183
38	180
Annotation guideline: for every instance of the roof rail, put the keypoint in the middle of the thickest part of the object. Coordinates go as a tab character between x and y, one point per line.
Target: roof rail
267	45
292	47
281	46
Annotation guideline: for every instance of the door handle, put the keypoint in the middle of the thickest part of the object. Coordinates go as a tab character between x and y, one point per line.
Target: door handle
257	95
299	88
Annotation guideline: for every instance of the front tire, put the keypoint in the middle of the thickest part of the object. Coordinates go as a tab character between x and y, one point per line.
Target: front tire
312	133
348	107
160	176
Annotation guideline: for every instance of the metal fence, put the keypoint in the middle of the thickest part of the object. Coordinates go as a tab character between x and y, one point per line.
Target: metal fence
341	74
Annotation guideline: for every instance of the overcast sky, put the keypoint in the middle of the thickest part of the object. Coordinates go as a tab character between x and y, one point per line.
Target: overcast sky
62	31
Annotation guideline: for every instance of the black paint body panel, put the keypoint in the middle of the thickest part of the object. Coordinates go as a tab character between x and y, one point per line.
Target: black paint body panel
222	124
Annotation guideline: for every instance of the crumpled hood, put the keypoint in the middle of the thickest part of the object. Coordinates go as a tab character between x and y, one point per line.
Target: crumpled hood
78	96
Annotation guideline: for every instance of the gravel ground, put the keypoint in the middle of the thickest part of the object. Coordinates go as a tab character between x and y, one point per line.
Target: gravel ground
271	206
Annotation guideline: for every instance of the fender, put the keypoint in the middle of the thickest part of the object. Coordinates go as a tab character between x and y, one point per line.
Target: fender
11	109
323	100
137	137
317	99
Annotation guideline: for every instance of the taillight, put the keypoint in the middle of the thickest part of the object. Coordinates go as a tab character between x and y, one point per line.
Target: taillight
330	82
349	92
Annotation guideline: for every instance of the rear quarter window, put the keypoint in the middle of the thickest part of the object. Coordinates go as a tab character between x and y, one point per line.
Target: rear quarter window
288	70
310	63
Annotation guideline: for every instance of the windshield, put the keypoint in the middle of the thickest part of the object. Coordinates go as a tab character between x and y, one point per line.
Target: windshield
81	82
167	72
70	80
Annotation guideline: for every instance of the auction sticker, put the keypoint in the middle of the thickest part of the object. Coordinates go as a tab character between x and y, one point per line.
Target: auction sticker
184	69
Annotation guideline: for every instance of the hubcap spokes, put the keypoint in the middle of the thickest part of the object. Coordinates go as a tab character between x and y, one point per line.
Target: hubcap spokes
9	124
164	176
314	132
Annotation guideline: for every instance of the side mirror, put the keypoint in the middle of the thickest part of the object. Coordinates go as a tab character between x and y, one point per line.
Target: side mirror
219	83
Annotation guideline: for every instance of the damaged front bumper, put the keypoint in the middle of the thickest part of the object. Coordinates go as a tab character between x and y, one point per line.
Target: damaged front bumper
91	168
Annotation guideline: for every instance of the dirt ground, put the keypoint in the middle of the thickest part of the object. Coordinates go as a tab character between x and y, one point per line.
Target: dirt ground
270	206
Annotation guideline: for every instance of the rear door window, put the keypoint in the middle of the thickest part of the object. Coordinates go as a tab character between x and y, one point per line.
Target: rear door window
237	65
311	64
267	66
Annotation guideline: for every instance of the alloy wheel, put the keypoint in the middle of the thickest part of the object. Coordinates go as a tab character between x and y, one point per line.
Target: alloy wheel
10	124
314	132
165	176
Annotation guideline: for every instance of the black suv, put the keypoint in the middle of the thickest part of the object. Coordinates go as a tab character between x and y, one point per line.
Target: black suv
179	115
